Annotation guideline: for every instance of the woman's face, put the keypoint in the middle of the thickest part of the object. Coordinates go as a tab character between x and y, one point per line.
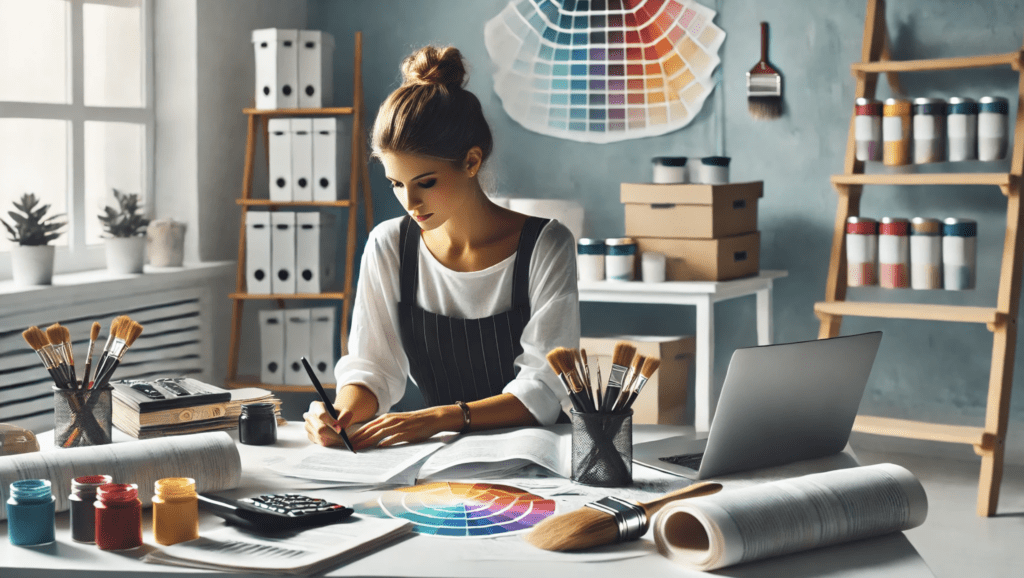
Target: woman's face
430	189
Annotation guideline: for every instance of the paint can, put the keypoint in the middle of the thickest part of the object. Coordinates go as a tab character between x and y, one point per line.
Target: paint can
962	128
669	170
993	124
861	251
896	132
867	129
925	253
590	259
894	253
619	259
959	253
929	130
711	171
652	267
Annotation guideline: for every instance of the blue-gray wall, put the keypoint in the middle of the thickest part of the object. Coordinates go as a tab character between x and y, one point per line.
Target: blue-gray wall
932	371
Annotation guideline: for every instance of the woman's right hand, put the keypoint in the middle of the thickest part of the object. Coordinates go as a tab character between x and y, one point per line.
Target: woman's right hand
321	428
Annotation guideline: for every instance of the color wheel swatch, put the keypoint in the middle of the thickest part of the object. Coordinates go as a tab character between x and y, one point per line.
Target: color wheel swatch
461	509
603	70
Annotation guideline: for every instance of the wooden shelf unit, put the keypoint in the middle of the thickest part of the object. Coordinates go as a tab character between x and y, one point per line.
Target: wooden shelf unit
990	439
359	188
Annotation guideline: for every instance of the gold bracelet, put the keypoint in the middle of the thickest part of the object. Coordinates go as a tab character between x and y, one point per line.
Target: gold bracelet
465	416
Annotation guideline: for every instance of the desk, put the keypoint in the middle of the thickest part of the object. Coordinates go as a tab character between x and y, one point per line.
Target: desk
426	556
703	295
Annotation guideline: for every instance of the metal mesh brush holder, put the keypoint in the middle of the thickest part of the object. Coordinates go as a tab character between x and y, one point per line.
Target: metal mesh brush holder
602	448
82	417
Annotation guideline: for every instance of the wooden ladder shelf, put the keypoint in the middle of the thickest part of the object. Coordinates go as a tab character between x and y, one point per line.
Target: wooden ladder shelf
988	441
359	188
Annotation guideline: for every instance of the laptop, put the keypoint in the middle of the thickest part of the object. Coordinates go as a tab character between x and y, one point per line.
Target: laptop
779	404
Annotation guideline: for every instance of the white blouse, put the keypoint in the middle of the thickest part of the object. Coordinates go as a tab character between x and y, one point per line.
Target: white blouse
377	359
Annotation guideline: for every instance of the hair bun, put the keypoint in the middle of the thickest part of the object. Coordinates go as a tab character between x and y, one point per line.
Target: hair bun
434	65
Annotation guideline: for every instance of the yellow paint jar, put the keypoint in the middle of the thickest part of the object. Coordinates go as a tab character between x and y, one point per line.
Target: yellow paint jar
175	511
896	132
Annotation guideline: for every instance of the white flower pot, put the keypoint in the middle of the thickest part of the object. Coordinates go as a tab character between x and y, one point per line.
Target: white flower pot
126	255
32	264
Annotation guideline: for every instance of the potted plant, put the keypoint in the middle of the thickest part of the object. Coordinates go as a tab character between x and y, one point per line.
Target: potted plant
126	246
32	256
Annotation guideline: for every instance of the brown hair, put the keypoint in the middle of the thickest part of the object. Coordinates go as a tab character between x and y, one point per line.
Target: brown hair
432	114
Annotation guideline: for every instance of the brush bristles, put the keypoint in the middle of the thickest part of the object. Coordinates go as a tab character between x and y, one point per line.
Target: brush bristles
651	365
132	332
623	353
578	530
95	331
765	107
35	338
552	358
54	334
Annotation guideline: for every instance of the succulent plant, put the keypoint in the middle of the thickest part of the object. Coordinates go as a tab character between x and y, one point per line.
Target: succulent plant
30	227
126	220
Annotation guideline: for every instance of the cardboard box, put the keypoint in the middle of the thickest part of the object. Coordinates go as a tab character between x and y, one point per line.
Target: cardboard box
706	259
663	399
672	211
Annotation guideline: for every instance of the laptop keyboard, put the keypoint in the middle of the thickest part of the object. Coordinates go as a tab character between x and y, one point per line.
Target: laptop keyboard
691	461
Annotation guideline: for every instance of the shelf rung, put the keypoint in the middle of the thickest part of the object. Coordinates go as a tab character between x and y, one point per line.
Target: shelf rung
958	434
1000	179
287	296
1012	59
299	111
926	312
254	382
269	203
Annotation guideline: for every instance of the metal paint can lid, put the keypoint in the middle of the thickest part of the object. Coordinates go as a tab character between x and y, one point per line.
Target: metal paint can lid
620	246
715	161
868	107
896	107
953	227
894	226
925	226
929	106
669	161
961	105
590	246
861	226
995	104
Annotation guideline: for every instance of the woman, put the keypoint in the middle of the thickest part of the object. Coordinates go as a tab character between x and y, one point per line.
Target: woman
464	296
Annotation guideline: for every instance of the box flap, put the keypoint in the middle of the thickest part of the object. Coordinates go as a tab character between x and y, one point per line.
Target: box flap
688	194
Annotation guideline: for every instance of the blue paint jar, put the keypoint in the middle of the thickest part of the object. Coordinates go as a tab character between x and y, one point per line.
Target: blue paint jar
30	513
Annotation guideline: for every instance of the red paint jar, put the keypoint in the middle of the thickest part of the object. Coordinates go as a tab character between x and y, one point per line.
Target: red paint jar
118	517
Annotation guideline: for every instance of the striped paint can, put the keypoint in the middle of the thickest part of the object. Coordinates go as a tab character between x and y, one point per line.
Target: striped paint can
861	251
867	129
896	132
925	253
894	253
959	253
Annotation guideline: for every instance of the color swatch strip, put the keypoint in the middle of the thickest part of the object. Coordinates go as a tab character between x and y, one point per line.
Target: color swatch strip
603	70
461	510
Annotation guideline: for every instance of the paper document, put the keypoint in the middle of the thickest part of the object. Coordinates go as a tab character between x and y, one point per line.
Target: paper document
297	553
474	455
371	466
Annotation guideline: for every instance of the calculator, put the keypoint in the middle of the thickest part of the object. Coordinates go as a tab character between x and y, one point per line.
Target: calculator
269	513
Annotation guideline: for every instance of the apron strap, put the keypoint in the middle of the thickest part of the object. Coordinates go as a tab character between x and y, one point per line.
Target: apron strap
409	245
521	271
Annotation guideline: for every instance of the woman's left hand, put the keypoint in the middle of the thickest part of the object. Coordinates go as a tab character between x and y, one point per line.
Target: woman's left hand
408	427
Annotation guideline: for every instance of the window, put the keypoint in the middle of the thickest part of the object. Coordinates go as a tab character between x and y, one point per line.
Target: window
76	114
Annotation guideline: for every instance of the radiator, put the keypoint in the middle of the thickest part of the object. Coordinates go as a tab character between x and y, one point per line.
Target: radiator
174	342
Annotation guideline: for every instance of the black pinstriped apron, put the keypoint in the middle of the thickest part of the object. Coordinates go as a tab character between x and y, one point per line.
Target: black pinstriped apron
455	359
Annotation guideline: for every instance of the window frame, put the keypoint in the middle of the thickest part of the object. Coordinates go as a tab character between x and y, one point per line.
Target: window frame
77	255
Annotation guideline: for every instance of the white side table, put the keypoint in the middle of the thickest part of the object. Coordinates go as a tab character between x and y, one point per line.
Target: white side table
703	295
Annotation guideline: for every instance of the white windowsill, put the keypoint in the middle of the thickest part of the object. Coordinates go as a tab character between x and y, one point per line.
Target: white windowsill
102	284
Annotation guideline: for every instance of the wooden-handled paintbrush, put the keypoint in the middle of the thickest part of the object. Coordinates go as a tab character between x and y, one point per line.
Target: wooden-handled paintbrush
60	339
555	358
650	365
93	334
630	381
622	355
607	521
37	340
128	331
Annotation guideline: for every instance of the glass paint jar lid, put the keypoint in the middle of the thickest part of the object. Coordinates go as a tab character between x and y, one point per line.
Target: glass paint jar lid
894	226
868	107
896	107
587	246
30	490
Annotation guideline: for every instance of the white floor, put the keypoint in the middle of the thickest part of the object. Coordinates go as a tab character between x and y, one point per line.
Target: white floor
954	541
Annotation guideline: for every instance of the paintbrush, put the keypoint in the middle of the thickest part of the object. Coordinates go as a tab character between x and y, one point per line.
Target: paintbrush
94	332
575	371
607	521
651	365
54	337
128	332
115	324
567	361
630	381
592	387
764	85
37	340
622	354
60	338
556	366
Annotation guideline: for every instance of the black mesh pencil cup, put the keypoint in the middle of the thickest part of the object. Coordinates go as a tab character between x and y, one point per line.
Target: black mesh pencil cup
82	417
602	448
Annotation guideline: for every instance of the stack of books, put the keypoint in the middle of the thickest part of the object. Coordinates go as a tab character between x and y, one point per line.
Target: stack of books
172	406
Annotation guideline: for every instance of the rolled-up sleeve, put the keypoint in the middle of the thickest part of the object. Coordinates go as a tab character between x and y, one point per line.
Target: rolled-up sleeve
554	322
375	356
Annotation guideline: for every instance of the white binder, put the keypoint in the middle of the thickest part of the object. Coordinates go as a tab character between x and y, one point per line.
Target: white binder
276	67
323	328
296	346
302	159
315	244
282	254
257	252
316	82
326	160
279	133
272	346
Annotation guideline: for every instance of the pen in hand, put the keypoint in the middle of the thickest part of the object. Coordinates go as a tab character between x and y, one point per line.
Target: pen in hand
327	402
